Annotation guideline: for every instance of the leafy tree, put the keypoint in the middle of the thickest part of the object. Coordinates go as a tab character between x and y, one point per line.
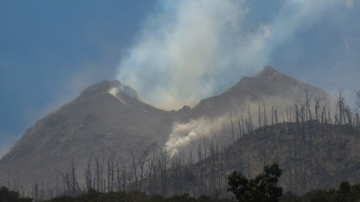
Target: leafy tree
12	196
344	192
261	189
355	192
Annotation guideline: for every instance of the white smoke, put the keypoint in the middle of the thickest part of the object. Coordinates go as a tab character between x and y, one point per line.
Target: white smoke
180	51
186	49
183	134
189	48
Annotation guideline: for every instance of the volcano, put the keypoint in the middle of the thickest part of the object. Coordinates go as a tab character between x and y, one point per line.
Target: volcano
109	118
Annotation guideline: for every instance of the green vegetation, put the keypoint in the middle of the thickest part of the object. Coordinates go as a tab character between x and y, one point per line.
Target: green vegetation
12	196
345	193
263	188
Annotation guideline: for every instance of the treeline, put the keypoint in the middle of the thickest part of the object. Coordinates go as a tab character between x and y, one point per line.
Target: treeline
345	193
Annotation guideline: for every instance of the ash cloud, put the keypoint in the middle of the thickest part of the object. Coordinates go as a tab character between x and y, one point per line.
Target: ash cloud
190	50
186	49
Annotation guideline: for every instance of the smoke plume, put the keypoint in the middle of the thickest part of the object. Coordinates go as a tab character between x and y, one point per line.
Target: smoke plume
189	49
184	134
192	49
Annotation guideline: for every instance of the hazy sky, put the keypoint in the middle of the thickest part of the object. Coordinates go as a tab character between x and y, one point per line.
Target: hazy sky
51	50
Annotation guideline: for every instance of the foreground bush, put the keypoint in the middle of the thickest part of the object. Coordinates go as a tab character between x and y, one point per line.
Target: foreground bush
345	193
12	196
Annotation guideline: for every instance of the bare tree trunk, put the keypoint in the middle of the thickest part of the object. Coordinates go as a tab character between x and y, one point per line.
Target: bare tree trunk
341	101
259	114
142	159
250	120
134	170
36	192
307	105
317	106
88	176
232	128
110	171
205	149
199	153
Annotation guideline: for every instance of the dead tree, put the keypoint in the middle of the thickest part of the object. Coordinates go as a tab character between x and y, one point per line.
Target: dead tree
204	146
163	161
176	162
239	125
23	189
287	115
265	118
232	128
317	101
124	177
74	184
118	177
190	158
152	167
66	181
36	192
259	114
134	169
251	127
297	114
98	174
199	153
357	110
348	113
357	117
110	171
272	116
142	159
242	122
340	104
88	177
307	105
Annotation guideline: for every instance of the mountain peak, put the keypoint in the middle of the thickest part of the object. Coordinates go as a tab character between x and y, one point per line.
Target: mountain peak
101	87
266	72
106	86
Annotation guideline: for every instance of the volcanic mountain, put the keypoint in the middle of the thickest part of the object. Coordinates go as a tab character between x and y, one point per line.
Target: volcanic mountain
107	117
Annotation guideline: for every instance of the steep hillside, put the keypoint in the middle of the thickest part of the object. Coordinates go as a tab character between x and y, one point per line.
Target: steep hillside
270	86
94	123
311	154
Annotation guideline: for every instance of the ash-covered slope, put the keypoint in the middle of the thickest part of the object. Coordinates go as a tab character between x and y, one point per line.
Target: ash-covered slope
93	123
270	86
313	155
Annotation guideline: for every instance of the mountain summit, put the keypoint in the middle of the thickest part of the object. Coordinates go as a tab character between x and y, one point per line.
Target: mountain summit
267	86
266	73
